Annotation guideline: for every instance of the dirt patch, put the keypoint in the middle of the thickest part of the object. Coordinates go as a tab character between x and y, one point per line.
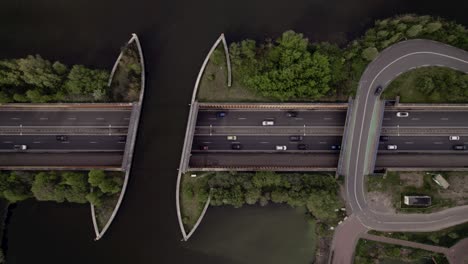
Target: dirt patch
323	249
381	202
411	178
458	189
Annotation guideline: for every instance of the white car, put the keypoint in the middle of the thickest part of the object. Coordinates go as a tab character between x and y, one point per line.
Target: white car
268	123
231	137
392	147
281	148
402	114
454	138
20	147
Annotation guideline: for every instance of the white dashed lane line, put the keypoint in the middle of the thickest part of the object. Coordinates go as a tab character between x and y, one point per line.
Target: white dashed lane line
438	143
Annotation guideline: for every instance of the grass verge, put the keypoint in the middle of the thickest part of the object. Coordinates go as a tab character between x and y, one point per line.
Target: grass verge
395	186
368	252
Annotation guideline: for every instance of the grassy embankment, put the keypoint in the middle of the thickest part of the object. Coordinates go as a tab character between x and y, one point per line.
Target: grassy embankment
429	85
194	193
396	184
213	84
444	238
368	252
126	82
108	201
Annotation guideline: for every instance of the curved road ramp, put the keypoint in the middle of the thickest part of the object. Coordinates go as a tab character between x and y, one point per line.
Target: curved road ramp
360	152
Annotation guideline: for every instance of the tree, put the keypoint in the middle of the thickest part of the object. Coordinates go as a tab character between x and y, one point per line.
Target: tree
84	81
15	186
38	72
370	53
106	183
95	197
44	187
74	187
266	179
414	31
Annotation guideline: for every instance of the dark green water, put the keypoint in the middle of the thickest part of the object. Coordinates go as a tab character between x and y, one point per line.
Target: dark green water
176	35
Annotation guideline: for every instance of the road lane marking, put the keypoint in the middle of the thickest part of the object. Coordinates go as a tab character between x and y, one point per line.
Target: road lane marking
409	142
322	142
126	118
65	142
72	118
444	118
15	118
7	142
264	142
93	142
206	142
298	118
212	118
242	118
438	143
99	118
415	118
43	118
327	118
36	142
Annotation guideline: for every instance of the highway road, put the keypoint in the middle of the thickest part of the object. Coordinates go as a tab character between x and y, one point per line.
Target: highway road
73	143
299	161
61	160
64	117
250	117
388	65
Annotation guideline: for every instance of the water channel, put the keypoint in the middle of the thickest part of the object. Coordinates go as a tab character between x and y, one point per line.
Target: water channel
176	35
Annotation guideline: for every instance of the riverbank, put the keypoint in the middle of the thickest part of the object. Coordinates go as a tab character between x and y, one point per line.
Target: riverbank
317	193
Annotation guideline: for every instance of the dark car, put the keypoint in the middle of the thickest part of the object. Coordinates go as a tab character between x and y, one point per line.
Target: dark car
236	146
203	147
384	138
302	146
221	114
336	147
61	138
122	139
291	114
378	90
295	138
459	147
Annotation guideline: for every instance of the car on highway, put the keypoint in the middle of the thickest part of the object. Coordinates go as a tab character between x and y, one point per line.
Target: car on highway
20	147
454	138
336	147
291	114
378	90
402	114
296	138
204	147
302	146
61	138
459	147
231	137
268	123
236	146
221	114
392	147
384	138
122	139
281	147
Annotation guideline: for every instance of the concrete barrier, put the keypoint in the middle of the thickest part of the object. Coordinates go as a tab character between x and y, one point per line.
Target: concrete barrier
274	106
127	162
342	161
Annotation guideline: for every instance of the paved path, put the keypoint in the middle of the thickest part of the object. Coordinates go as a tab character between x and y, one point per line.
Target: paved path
459	252
406	243
388	65
345	239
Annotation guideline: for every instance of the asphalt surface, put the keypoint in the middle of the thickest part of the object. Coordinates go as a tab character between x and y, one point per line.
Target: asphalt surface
416	118
388	65
299	161
61	160
63	117
73	143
